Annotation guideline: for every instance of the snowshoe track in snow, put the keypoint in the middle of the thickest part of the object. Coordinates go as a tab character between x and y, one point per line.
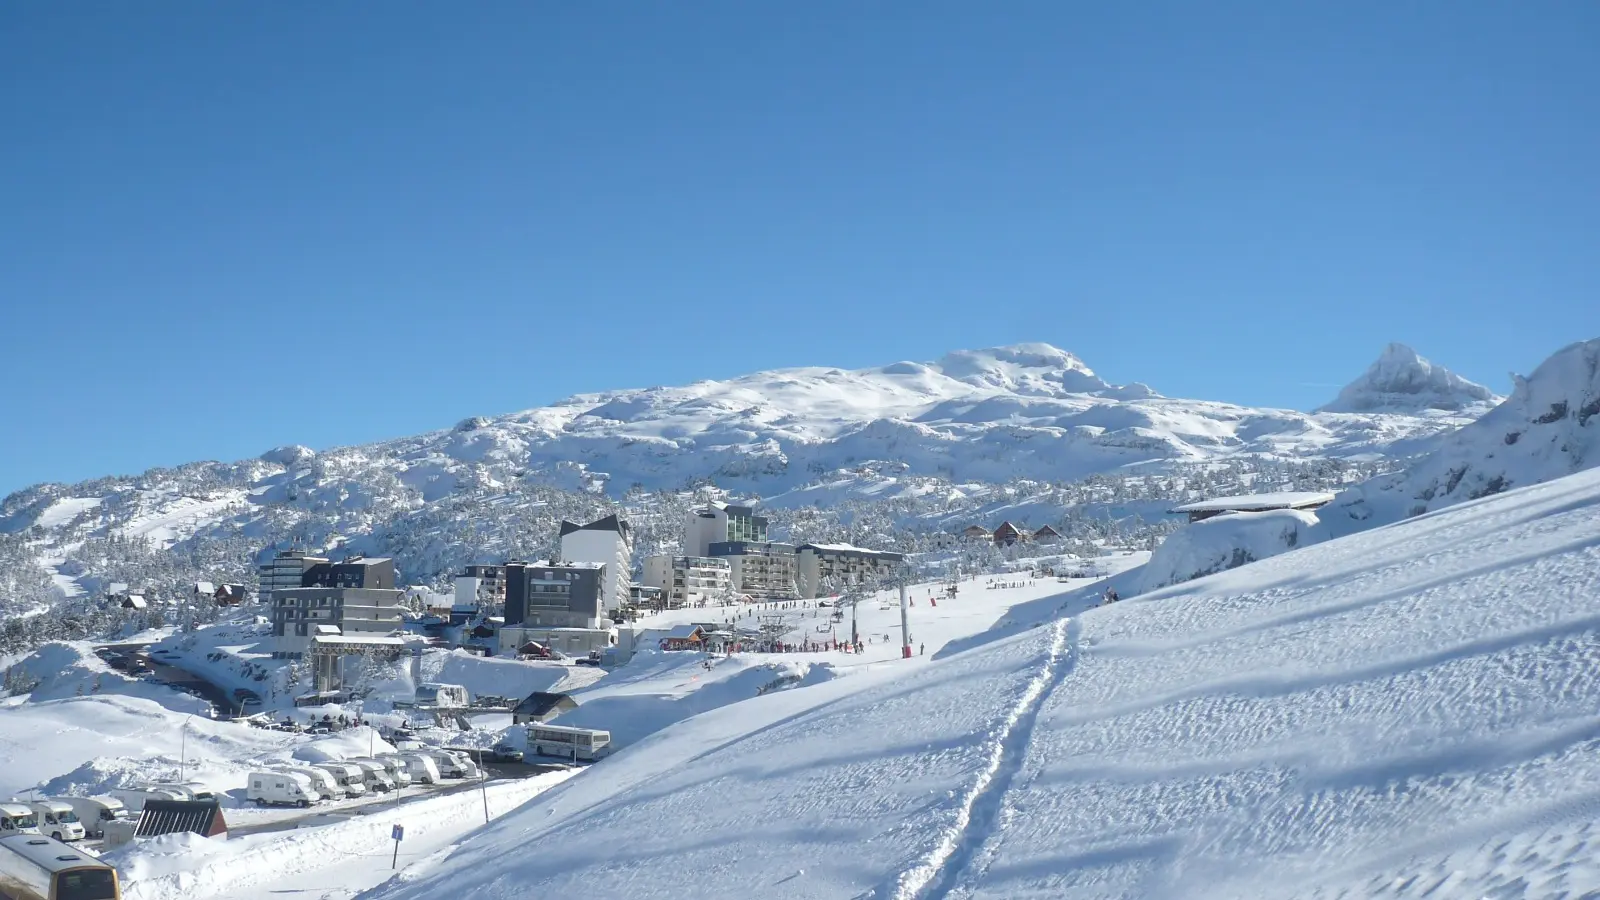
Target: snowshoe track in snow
978	815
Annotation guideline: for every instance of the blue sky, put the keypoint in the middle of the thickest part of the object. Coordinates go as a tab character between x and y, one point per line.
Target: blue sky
232	226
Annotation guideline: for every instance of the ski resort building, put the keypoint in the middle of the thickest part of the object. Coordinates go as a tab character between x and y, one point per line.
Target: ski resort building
286	570
688	581
822	568
299	614
1205	509
720	523
607	542
561	607
762	571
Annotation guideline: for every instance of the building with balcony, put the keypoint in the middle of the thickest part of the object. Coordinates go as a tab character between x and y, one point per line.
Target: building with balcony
719	523
689	581
559	606
821	569
286	570
300	614
761	571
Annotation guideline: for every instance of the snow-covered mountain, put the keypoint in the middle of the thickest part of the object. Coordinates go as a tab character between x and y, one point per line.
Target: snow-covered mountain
1550	427
1402	381
1006	430
1024	411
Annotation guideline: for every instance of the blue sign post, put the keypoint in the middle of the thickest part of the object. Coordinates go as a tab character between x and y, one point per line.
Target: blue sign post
397	832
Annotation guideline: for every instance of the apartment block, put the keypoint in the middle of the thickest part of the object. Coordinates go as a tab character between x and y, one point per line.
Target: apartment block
689	581
823	568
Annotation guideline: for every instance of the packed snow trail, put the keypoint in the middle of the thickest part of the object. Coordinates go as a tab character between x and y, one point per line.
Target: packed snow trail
980	811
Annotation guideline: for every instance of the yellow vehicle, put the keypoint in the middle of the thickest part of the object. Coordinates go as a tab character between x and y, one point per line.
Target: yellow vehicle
34	867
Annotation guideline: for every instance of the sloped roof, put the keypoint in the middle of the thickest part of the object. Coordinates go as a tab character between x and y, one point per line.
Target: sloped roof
1258	502
684	632
540	704
612	522
202	817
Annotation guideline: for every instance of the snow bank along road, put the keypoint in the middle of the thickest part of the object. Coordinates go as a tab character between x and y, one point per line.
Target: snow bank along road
1408	712
337	859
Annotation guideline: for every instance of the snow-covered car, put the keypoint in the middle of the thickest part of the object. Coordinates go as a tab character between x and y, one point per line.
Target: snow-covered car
504	753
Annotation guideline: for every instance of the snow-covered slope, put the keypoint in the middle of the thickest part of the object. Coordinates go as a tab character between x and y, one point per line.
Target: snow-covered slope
1549	427
1405	712
1402	381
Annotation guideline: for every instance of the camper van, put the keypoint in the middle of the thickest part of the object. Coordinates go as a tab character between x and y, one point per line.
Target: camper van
397	770
58	820
134	798
321	779
281	789
567	742
374	774
350	778
94	812
34	867
422	768
450	765
17	817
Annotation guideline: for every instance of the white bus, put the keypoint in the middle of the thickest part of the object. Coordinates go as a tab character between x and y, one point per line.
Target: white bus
566	741
34	867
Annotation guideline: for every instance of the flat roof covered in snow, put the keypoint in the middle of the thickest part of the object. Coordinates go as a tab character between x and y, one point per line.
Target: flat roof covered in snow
1257	502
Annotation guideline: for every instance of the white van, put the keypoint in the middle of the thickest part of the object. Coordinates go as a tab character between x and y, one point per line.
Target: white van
396	770
17	817
57	820
321	779
94	812
351	778
375	774
281	789
422	768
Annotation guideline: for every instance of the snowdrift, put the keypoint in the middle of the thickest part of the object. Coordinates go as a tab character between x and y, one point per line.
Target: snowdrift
1226	542
1404	712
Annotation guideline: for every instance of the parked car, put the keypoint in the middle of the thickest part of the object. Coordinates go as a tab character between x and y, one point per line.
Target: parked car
505	753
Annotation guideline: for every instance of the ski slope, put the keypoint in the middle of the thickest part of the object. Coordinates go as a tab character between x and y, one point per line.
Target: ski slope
1407	712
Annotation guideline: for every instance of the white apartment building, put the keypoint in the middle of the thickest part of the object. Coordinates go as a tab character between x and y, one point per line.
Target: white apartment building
762	571
823	568
608	542
720	523
689	581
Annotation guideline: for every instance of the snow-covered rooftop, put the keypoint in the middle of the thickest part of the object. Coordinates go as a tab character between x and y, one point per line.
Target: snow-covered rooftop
844	548
1256	502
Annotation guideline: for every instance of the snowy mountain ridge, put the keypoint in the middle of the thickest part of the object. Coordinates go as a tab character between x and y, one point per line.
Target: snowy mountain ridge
1006	430
1402	381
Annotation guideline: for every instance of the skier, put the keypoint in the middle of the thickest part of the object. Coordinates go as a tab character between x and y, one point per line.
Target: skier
921	649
